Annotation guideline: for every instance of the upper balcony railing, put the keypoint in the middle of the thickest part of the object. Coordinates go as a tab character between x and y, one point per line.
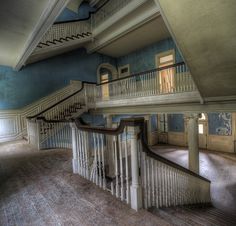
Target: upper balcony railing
166	80
110	8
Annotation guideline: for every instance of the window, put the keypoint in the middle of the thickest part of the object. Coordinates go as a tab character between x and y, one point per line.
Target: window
124	71
163	123
200	129
202	117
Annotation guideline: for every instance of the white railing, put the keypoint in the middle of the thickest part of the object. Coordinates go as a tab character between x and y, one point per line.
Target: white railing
167	80
119	160
45	128
54	134
65	32
166	185
108	10
104	159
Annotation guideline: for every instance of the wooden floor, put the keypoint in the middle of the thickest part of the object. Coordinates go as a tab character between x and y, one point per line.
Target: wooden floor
38	188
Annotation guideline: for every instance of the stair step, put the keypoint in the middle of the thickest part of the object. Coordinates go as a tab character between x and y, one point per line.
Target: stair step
195	215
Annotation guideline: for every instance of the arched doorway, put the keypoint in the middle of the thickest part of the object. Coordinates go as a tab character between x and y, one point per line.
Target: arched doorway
105	73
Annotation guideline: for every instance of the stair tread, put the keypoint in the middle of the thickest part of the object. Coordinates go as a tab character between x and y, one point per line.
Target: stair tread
196	216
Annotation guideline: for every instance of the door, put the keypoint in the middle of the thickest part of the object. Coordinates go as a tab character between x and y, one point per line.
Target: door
105	87
166	76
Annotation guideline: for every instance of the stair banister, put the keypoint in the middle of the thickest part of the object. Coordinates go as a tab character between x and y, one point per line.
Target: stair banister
155	181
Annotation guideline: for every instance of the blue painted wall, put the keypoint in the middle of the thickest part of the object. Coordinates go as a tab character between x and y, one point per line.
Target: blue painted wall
144	59
83	13
18	89
176	122
67	15
94	120
220	124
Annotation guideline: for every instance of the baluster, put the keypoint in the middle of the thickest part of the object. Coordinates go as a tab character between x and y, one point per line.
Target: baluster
103	161
81	154
95	160
116	166
145	180
162	195
148	182
166	186
156	167
153	182
127	168
121	169
99	161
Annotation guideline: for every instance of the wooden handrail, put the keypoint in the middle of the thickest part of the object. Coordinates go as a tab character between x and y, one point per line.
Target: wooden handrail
141	123
59	102
87	18
143	72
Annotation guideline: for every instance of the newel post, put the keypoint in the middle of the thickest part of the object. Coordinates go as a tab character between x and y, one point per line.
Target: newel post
135	188
75	161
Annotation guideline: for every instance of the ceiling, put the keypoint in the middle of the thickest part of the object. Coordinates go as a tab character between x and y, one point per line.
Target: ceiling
205	33
137	39
18	19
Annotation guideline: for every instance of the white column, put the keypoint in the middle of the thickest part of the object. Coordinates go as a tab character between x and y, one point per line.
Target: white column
192	126
149	132
109	155
135	188
75	161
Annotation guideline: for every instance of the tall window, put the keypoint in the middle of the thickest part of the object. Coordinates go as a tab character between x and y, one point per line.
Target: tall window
166	76
163	123
201	123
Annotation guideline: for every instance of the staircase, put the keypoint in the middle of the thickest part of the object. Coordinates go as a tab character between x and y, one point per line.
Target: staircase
133	173
195	216
50	128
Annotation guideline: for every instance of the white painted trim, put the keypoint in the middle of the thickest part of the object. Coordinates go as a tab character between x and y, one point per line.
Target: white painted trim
187	97
120	31
49	15
118	16
108	66
123	67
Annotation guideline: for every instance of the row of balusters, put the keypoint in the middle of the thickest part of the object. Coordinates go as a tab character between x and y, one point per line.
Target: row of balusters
150	83
55	135
109	9
90	160
165	186
65	30
65	109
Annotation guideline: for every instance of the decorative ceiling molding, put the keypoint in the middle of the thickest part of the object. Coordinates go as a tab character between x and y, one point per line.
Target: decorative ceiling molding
49	15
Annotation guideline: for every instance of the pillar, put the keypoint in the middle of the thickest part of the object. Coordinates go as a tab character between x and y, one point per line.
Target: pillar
135	188
149	132
109	156
192	126
75	160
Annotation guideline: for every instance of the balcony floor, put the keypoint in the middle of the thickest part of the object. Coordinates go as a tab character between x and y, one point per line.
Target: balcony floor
38	188
218	167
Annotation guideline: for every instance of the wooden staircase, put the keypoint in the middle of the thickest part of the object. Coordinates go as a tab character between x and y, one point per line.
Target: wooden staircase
194	215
